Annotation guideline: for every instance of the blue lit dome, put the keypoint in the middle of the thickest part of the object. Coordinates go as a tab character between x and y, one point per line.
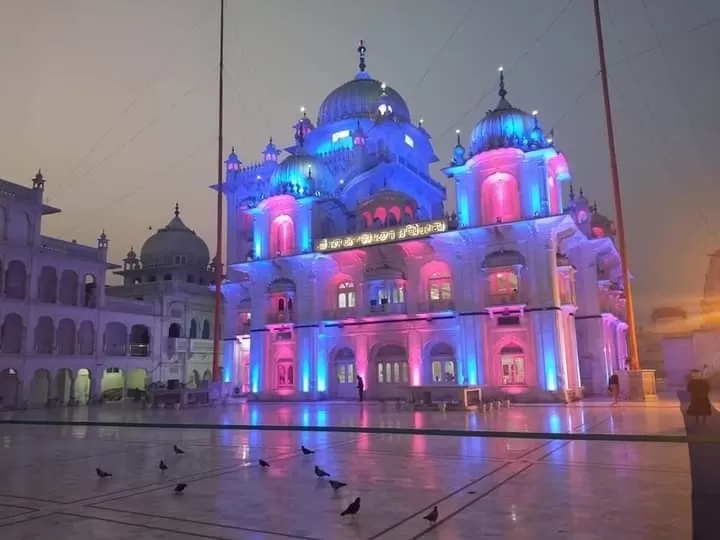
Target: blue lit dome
302	174
357	99
507	127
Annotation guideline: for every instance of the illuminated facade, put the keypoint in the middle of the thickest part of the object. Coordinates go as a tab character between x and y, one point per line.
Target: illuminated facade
344	262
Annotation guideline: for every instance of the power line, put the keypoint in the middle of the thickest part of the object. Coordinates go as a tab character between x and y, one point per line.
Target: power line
177	162
449	40
145	90
81	179
527	51
669	166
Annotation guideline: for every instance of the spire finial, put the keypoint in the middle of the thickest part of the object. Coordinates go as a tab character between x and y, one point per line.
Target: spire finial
177	209
571	193
501	91
270	140
457	135
362	51
535	117
232	149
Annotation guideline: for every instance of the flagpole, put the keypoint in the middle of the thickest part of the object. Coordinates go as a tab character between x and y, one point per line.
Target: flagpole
615	174
217	334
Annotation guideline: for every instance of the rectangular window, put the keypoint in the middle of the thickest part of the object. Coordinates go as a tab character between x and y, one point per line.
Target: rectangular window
513	369
409	141
504	283
339	135
341	376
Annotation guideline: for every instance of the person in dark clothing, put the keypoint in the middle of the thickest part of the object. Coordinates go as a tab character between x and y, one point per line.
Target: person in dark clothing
699	390
360	387
614	387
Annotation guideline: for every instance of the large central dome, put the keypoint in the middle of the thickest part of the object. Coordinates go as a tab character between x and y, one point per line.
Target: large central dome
358	98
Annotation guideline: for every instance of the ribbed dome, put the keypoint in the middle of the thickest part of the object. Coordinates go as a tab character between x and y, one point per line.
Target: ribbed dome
175	244
507	127
305	171
358	98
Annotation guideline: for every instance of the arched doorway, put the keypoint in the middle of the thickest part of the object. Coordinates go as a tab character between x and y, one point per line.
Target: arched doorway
112	384
512	365
443	367
39	388
194	380
137	383
82	386
345	373
63	385
9	387
391	371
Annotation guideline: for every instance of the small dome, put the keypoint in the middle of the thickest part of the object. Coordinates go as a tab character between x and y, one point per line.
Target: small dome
175	244
507	127
359	98
304	171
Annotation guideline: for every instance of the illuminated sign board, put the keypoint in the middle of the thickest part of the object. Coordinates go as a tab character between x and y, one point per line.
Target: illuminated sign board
411	231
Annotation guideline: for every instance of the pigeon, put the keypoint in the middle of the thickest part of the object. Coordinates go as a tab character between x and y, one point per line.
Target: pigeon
162	466
320	473
353	509
180	488
337	485
433	516
264	464
306	451
101	473
177	449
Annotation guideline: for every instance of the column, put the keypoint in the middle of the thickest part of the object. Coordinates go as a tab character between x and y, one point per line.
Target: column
305	355
415	358
549	355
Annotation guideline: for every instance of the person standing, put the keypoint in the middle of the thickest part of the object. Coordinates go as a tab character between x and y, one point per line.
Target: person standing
699	389
360	387
614	387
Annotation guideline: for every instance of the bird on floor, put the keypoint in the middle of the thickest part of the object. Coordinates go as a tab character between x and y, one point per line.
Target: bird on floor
264	464
177	449
306	451
337	485
101	473
320	473
432	517
180	488
162	466
352	509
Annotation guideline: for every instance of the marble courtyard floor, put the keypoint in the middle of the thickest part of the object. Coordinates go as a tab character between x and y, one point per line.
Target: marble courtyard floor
485	487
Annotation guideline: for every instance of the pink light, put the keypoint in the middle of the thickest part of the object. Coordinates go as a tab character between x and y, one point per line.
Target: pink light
415	375
500	198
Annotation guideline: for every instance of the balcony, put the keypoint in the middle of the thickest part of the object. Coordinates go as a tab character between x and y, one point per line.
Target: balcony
139	349
387	309
280	317
339	314
504	299
437	306
176	345
201	346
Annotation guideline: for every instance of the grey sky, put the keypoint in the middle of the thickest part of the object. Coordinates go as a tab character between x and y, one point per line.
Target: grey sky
116	101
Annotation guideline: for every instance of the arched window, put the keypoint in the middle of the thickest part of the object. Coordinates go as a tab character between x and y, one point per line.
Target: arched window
346	295
193	329
512	362
206	329
504	282
282	236
500	199
439	287
174	330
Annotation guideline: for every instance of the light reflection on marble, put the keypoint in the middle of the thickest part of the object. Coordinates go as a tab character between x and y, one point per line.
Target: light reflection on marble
663	417
510	488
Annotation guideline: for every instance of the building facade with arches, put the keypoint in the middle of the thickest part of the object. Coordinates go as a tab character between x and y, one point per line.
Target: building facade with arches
344	260
68	337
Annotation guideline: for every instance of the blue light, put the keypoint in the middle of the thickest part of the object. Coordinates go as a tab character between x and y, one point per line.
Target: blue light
321	417
255	379
254	417
305	231
535	201
463	205
472	374
305	417
550	371
321	366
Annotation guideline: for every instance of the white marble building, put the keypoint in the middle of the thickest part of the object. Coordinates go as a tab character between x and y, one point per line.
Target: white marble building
68	337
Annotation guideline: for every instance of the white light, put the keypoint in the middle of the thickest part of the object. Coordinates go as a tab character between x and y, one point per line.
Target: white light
342	181
457	132
302	110
421	122
259	177
409	141
500	68
338	135
383	86
535	113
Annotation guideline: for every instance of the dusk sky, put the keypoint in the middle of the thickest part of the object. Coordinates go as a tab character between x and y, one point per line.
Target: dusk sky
116	100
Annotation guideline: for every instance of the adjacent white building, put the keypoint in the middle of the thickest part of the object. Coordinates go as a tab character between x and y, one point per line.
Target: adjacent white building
67	337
